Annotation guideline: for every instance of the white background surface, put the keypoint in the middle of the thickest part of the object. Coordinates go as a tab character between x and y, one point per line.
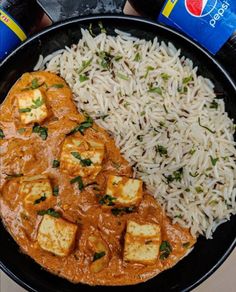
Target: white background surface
223	280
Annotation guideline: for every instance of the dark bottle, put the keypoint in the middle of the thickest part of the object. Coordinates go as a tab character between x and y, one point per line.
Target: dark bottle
227	51
18	19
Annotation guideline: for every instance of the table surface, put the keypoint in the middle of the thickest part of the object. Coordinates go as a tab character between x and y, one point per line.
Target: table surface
222	280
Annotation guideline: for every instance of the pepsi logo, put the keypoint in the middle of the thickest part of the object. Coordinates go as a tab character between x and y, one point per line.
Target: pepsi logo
200	8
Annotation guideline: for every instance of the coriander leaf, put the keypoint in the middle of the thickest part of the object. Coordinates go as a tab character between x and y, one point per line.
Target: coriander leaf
155	90
213	160
137	57
98	255
106	59
91	30
187	79
41	199
21	130
34	83
149	68
177	175
165	76
192	151
82	126
1	134
199	122
84	162
50	212
55	163
198	190
55	191
41	131
165	249
214	104
122	211
122	76
103	30
78	179
107	200
85	64
162	150
186	244
117	58
83	78
37	103
25	110
59	85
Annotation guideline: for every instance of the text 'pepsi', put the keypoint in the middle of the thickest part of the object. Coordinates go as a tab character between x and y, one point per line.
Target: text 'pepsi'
209	22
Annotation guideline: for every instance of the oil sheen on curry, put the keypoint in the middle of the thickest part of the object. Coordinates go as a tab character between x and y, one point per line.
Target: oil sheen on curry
69	198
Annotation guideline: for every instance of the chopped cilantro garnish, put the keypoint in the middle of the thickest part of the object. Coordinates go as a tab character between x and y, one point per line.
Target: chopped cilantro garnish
187	79
41	131
161	149
98	255
84	162
83	78
155	90
82	126
165	76
78	179
122	76
107	200
55	191
25	110
55	163
41	199
1	134
165	250
213	160
205	127
122	211
50	212
59	85
137	57
85	64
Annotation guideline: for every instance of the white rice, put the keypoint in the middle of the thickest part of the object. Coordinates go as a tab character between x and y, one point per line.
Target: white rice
205	195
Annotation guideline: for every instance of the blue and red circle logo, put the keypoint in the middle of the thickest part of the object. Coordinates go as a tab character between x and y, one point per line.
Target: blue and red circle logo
200	8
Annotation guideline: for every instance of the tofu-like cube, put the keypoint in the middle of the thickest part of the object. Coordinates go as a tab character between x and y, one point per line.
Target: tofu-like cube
35	189
100	253
81	156
31	106
56	235
126	191
142	242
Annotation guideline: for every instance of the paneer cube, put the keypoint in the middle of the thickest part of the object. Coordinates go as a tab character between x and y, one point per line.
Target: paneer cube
81	156
32	107
56	235
142	242
100	253
126	191
35	189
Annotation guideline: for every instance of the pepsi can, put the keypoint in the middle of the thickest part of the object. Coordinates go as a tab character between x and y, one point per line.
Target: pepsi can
211	23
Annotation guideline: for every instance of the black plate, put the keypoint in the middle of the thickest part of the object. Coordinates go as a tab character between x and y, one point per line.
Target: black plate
207	255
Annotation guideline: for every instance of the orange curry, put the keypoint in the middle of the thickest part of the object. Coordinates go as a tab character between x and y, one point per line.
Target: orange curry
69	198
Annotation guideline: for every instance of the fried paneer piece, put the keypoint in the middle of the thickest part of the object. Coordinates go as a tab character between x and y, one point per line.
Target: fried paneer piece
100	253
125	191
56	235
142	242
35	189
81	156
32	106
